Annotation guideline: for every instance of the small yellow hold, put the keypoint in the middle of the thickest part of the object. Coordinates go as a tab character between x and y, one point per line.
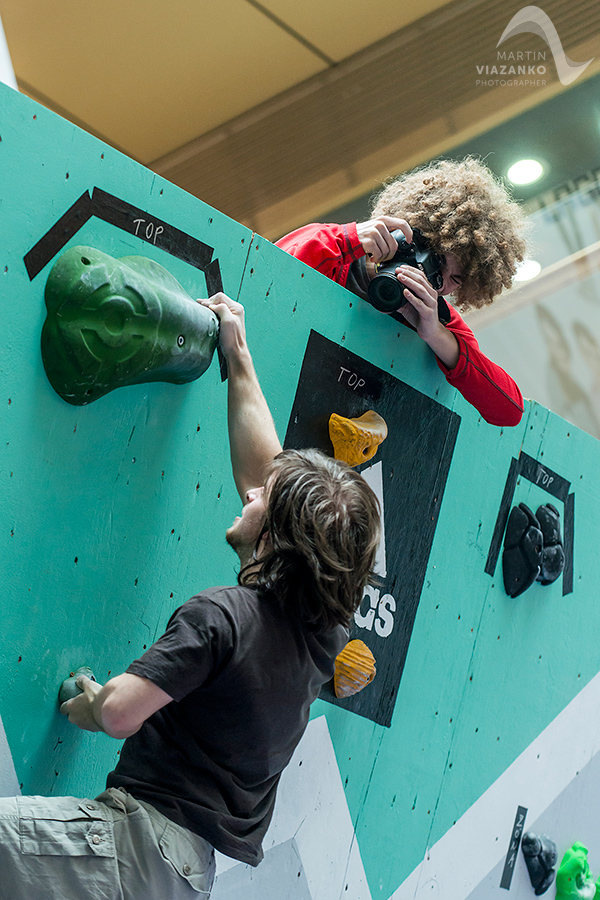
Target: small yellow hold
356	440
354	669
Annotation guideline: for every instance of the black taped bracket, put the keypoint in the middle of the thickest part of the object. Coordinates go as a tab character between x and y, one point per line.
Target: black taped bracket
134	221
552	483
60	233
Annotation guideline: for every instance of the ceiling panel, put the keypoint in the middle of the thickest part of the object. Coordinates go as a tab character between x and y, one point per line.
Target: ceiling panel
336	136
340	28
275	111
151	82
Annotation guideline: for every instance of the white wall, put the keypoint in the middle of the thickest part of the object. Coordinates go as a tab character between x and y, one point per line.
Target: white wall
7	74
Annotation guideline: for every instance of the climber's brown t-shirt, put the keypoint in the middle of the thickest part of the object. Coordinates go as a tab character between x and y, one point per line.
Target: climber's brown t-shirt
242	672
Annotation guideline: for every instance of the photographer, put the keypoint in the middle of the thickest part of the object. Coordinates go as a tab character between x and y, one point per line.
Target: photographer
468	219
213	711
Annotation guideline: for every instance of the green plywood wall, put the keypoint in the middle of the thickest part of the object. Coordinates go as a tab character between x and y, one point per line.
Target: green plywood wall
113	514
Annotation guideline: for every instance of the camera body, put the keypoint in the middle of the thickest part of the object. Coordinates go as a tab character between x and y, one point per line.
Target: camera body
385	292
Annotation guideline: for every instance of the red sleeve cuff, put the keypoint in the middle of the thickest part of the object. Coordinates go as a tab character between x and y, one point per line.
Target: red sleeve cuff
354	247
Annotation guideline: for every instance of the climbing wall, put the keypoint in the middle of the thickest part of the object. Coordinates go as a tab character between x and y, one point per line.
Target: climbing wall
483	711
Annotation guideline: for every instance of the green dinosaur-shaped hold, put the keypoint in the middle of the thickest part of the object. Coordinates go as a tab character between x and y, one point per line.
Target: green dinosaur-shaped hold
573	879
115	322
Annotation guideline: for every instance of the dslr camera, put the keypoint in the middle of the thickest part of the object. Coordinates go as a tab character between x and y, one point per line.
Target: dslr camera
385	292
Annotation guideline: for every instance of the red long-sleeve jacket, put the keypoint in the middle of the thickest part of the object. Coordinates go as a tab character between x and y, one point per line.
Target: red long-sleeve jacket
331	249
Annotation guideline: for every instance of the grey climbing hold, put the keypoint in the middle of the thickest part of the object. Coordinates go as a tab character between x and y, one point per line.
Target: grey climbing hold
69	688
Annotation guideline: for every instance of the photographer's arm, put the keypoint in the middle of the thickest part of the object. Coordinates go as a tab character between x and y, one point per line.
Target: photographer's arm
253	440
421	311
443	343
332	248
483	383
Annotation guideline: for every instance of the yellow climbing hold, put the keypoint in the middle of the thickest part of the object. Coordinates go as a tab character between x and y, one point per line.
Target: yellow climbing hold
354	669
356	440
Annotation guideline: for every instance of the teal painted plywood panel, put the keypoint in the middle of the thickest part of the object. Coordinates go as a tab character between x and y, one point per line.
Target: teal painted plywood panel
105	509
113	514
535	652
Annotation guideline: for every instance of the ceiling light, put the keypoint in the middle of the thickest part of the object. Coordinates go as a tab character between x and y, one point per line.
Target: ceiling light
525	171
527	270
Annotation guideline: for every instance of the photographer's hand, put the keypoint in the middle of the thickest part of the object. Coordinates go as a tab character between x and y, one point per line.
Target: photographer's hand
376	238
421	311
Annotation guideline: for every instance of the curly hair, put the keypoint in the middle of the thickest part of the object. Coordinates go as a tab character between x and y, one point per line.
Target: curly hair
324	526
464	210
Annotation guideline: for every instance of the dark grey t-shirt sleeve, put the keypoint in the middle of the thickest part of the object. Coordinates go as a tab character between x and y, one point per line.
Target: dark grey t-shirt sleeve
198	641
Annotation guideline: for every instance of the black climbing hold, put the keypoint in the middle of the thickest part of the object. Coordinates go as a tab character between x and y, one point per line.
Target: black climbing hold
553	554
522	555
540	857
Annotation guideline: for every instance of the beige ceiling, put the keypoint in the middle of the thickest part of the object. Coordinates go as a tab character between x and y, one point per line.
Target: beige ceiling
152	76
277	111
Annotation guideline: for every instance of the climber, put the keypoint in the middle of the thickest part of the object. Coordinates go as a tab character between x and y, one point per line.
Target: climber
212	712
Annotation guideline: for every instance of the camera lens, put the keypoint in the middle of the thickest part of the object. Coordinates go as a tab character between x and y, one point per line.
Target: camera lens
386	292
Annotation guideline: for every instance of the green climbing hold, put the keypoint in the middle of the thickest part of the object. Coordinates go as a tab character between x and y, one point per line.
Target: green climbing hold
573	879
115	322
